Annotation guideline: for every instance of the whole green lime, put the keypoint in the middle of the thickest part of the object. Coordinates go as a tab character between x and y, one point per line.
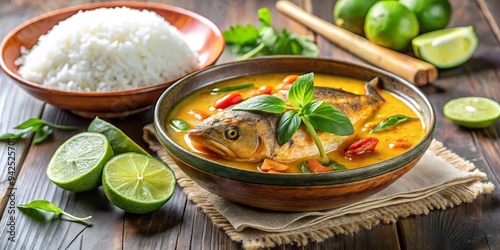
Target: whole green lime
391	24
431	14
350	14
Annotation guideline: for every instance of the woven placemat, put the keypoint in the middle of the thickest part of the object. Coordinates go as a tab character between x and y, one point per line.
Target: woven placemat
440	180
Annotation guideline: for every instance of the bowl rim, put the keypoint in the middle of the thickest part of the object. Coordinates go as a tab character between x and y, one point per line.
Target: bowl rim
90	6
295	179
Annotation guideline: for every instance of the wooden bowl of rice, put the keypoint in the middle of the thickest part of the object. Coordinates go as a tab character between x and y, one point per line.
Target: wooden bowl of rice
125	78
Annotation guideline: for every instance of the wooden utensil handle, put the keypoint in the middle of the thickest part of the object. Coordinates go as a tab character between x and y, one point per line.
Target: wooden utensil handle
416	71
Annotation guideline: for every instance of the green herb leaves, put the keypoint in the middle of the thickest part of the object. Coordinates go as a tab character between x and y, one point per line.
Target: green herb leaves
45	211
315	114
267	103
233	87
302	91
41	128
179	125
249	41
392	121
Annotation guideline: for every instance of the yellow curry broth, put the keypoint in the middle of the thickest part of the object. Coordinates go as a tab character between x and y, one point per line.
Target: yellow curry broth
405	135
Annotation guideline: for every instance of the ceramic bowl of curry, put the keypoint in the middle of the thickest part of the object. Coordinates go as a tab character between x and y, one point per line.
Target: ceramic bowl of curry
227	168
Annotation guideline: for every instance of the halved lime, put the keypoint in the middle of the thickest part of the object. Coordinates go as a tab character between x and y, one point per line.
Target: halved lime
472	112
446	48
119	141
77	163
137	183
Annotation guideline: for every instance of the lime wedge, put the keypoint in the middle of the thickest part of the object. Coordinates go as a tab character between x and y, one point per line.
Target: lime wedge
119	141
472	112
137	183
77	163
446	48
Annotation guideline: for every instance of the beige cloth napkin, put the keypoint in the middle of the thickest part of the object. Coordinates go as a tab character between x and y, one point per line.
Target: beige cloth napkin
440	180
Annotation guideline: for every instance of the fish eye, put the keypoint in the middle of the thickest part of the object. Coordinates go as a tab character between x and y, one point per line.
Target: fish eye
232	132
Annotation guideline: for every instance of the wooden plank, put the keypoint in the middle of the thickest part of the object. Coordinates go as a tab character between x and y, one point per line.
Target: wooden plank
12	153
468	226
488	7
383	236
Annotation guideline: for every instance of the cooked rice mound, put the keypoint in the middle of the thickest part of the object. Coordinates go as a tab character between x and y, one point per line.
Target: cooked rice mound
108	49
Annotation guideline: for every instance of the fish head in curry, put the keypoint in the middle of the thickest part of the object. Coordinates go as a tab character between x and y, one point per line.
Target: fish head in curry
236	135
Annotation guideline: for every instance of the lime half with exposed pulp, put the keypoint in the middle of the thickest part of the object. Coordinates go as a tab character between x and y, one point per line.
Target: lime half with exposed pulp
77	163
472	112
137	183
446	48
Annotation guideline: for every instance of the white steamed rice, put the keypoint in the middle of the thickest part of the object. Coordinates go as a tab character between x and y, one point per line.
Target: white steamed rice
108	49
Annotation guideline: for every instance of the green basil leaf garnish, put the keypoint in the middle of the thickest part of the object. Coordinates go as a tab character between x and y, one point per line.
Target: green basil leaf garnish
179	125
287	126
325	117
392	121
266	103
302	91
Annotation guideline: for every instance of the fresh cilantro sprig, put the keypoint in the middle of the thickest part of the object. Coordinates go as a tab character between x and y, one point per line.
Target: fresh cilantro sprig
315	114
41	128
249	41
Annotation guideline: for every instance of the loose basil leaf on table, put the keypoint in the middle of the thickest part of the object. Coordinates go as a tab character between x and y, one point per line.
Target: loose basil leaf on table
46	211
41	128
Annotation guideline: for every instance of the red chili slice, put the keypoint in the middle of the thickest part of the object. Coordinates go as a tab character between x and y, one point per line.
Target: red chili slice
315	166
228	100
265	90
198	114
361	146
290	78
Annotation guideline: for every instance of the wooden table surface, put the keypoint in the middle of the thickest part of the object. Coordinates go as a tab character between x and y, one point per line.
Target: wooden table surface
179	224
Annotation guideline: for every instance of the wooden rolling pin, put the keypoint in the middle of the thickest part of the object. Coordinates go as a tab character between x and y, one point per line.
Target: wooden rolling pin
415	71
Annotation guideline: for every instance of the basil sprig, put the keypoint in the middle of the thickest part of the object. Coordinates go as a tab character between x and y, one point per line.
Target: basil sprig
41	128
392	121
46	211
315	114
